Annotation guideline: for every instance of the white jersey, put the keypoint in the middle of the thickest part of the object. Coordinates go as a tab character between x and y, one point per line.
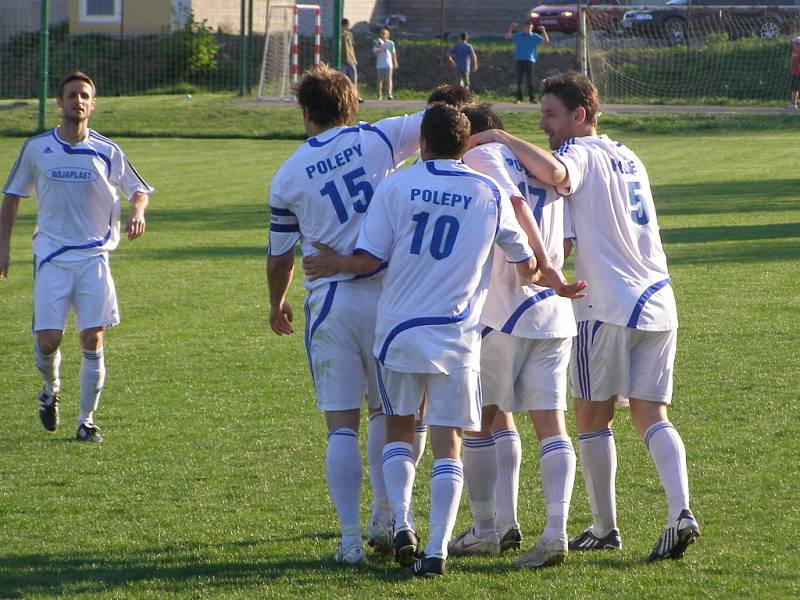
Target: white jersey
322	191
76	189
619	247
528	311
436	223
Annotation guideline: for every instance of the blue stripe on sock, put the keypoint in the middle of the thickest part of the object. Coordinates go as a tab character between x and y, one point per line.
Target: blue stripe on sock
654	429
473	442
596	434
504	433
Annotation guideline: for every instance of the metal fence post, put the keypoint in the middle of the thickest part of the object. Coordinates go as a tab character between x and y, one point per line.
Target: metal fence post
338	10
44	42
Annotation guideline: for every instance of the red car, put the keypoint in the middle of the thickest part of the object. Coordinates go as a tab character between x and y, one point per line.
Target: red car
561	15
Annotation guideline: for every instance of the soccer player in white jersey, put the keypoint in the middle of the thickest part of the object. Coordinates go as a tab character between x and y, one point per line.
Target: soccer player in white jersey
627	321
76	174
320	195
436	224
527	337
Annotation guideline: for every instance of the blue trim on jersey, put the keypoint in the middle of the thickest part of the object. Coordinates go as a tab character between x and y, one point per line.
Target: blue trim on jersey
284	228
486	331
357	249
94	244
380	268
315	143
637	310
512	320
281	212
420	322
431	166
85	151
19	160
310	329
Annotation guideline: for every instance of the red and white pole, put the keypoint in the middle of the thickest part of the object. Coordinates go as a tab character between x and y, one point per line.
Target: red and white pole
296	46
317	36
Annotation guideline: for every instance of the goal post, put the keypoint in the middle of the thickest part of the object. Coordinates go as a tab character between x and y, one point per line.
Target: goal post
280	62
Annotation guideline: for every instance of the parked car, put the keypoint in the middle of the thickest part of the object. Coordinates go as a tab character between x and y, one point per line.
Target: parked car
562	15
676	20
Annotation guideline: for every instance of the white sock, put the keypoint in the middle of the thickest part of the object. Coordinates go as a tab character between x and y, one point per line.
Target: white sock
398	473
509	458
480	471
447	480
557	467
420	436
666	448
344	470
599	466
48	365
376	440
93	376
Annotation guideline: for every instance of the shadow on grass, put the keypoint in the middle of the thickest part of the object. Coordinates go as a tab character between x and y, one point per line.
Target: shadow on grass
203	253
730	233
247	215
719	197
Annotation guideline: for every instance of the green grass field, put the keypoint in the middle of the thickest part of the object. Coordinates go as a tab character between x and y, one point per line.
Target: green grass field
211	482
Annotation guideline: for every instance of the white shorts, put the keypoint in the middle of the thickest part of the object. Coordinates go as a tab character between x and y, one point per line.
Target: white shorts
340	332
86	285
609	360
520	374
452	400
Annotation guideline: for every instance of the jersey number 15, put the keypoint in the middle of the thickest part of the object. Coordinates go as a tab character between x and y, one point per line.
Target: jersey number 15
360	193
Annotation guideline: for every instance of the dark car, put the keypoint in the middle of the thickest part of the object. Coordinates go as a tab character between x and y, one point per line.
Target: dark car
679	19
562	15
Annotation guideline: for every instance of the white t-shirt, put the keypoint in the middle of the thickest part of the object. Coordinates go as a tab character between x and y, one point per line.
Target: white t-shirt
619	248
322	191
528	311
76	189
436	223
383	53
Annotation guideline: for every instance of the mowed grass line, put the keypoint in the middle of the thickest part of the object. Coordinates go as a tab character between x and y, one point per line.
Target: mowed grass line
211	481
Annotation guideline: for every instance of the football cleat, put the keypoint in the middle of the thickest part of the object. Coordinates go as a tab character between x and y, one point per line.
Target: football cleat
48	410
379	537
89	432
427	566
589	541
352	555
467	543
405	547
511	538
675	539
545	553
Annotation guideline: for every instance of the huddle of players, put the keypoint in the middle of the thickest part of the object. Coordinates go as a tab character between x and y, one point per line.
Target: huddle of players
439	286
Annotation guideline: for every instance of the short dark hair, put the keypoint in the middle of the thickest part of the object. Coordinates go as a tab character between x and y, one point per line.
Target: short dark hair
328	95
445	130
574	90
345	22
75	76
463	35
482	118
454	95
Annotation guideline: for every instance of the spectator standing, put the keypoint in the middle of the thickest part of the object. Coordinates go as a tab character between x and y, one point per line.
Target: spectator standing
526	45
349	60
386	62
462	56
794	72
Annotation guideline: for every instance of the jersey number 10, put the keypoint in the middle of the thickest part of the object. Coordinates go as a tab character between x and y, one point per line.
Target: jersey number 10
445	230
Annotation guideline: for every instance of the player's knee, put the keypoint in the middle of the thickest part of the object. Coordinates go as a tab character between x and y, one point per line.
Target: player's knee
48	341
91	339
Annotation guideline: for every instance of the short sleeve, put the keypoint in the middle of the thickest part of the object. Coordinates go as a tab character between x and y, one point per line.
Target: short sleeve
489	160
128	178
376	237
576	160
403	135
21	181
510	237
284	228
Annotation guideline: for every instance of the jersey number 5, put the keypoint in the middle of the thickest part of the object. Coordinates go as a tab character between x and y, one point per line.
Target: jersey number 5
638	202
360	192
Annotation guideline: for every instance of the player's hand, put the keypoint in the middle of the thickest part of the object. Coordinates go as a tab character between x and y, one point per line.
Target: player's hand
280	318
323	264
136	225
554	278
485	137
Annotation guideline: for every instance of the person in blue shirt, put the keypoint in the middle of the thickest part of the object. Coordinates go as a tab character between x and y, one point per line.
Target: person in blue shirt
462	56
526	44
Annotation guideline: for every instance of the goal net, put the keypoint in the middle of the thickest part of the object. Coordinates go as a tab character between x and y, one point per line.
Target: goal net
291	43
670	55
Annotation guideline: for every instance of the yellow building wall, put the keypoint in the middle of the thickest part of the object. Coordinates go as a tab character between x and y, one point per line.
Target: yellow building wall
138	16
